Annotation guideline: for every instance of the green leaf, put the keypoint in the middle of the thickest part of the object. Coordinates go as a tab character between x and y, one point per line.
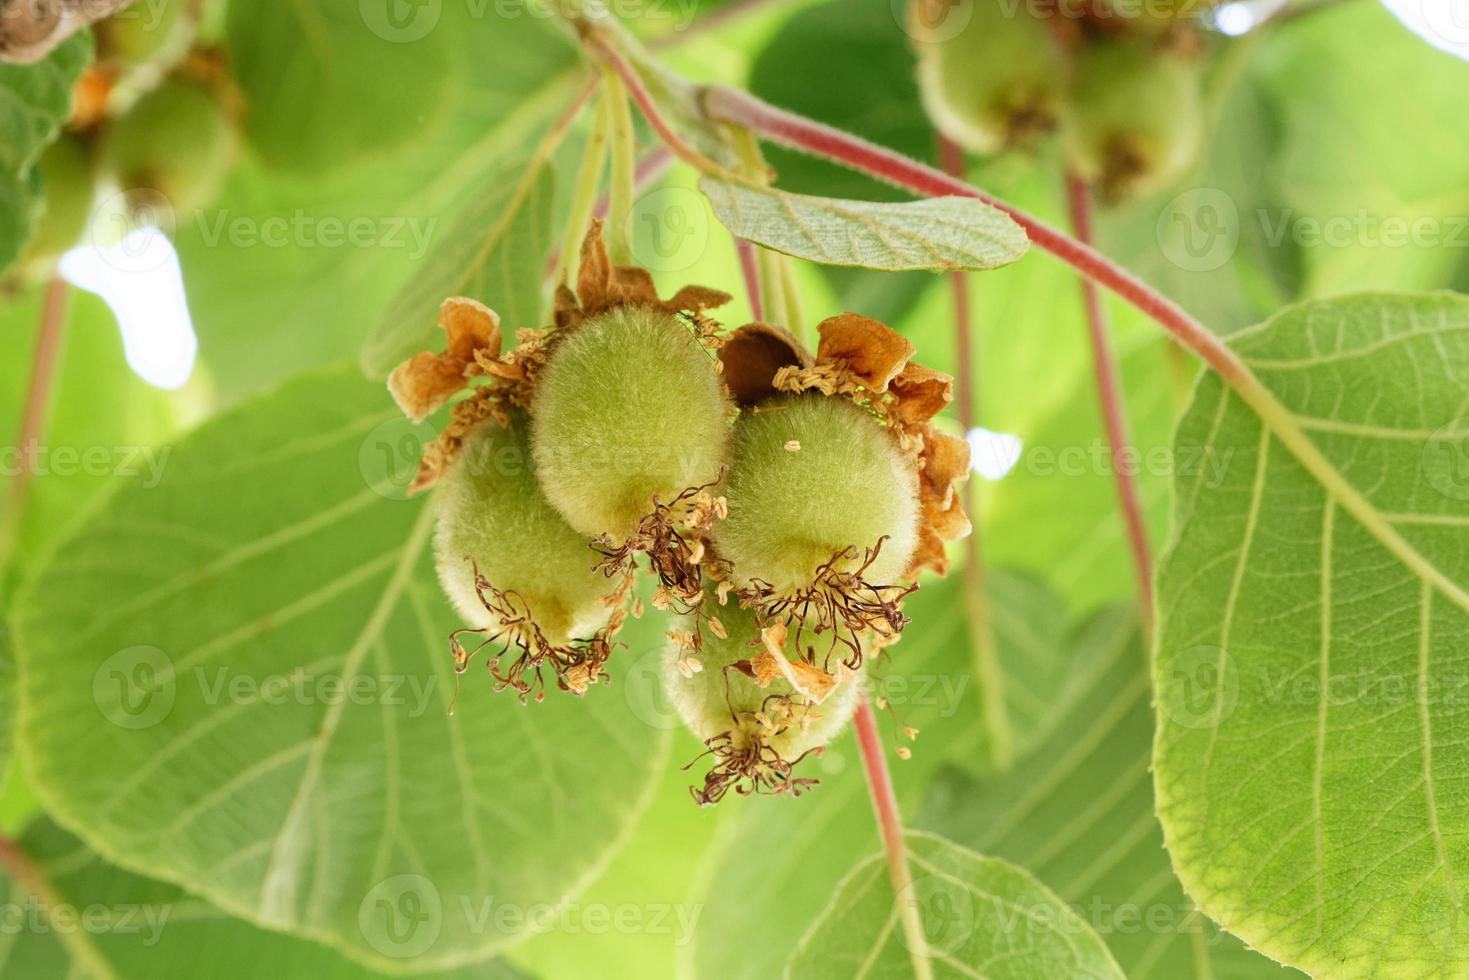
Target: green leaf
495	253
931	685
34	101
941	234
1078	814
137	929
981	917
1311	642
290	230
328	83
260	709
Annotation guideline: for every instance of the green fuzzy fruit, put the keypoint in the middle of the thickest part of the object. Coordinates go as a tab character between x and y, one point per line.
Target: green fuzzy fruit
628	407
490	509
812	475
993	85
144	32
1133	125
70	188
175	140
719	703
1153	17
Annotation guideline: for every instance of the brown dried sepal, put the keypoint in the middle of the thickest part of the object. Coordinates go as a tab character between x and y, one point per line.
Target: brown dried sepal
944	466
425	382
842	605
747	764
601	286
753	355
577	666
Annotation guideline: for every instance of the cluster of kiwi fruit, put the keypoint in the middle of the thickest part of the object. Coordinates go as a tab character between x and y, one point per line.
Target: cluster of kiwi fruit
780	520
1120	81
151	124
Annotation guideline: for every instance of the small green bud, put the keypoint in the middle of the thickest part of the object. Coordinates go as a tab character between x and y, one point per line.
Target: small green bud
756	734
1133	124
69	189
144	33
176	140
812	476
627	407
493	517
996	83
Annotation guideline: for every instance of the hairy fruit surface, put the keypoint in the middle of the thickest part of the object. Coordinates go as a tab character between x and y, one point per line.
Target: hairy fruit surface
737	698
1132	126
994	85
628	407
493	517
811	477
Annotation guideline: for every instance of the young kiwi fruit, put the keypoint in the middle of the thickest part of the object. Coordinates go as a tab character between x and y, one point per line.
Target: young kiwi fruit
755	734
1153	17
1132	125
176	140
628	407
813	477
995	84
143	33
493	518
68	189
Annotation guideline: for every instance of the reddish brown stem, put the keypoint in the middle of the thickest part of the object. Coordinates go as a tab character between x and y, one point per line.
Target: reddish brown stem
750	269
890	825
49	336
1114	409
740	108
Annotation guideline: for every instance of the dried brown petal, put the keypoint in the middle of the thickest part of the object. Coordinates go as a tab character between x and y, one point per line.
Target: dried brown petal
753	354
921	393
871	350
471	327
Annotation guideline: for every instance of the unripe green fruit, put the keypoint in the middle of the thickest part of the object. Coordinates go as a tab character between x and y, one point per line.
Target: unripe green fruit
1133	125
719	702
138	34
69	188
628	407
1155	16
175	140
993	85
490	509
810	476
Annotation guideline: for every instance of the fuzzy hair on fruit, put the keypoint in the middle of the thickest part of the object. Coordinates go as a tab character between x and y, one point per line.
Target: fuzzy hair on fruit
493	517
627	408
811	476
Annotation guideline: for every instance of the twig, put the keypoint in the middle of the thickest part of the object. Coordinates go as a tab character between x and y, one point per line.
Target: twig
32	429
1114	409
741	108
890	825
980	617
750	269
24	872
